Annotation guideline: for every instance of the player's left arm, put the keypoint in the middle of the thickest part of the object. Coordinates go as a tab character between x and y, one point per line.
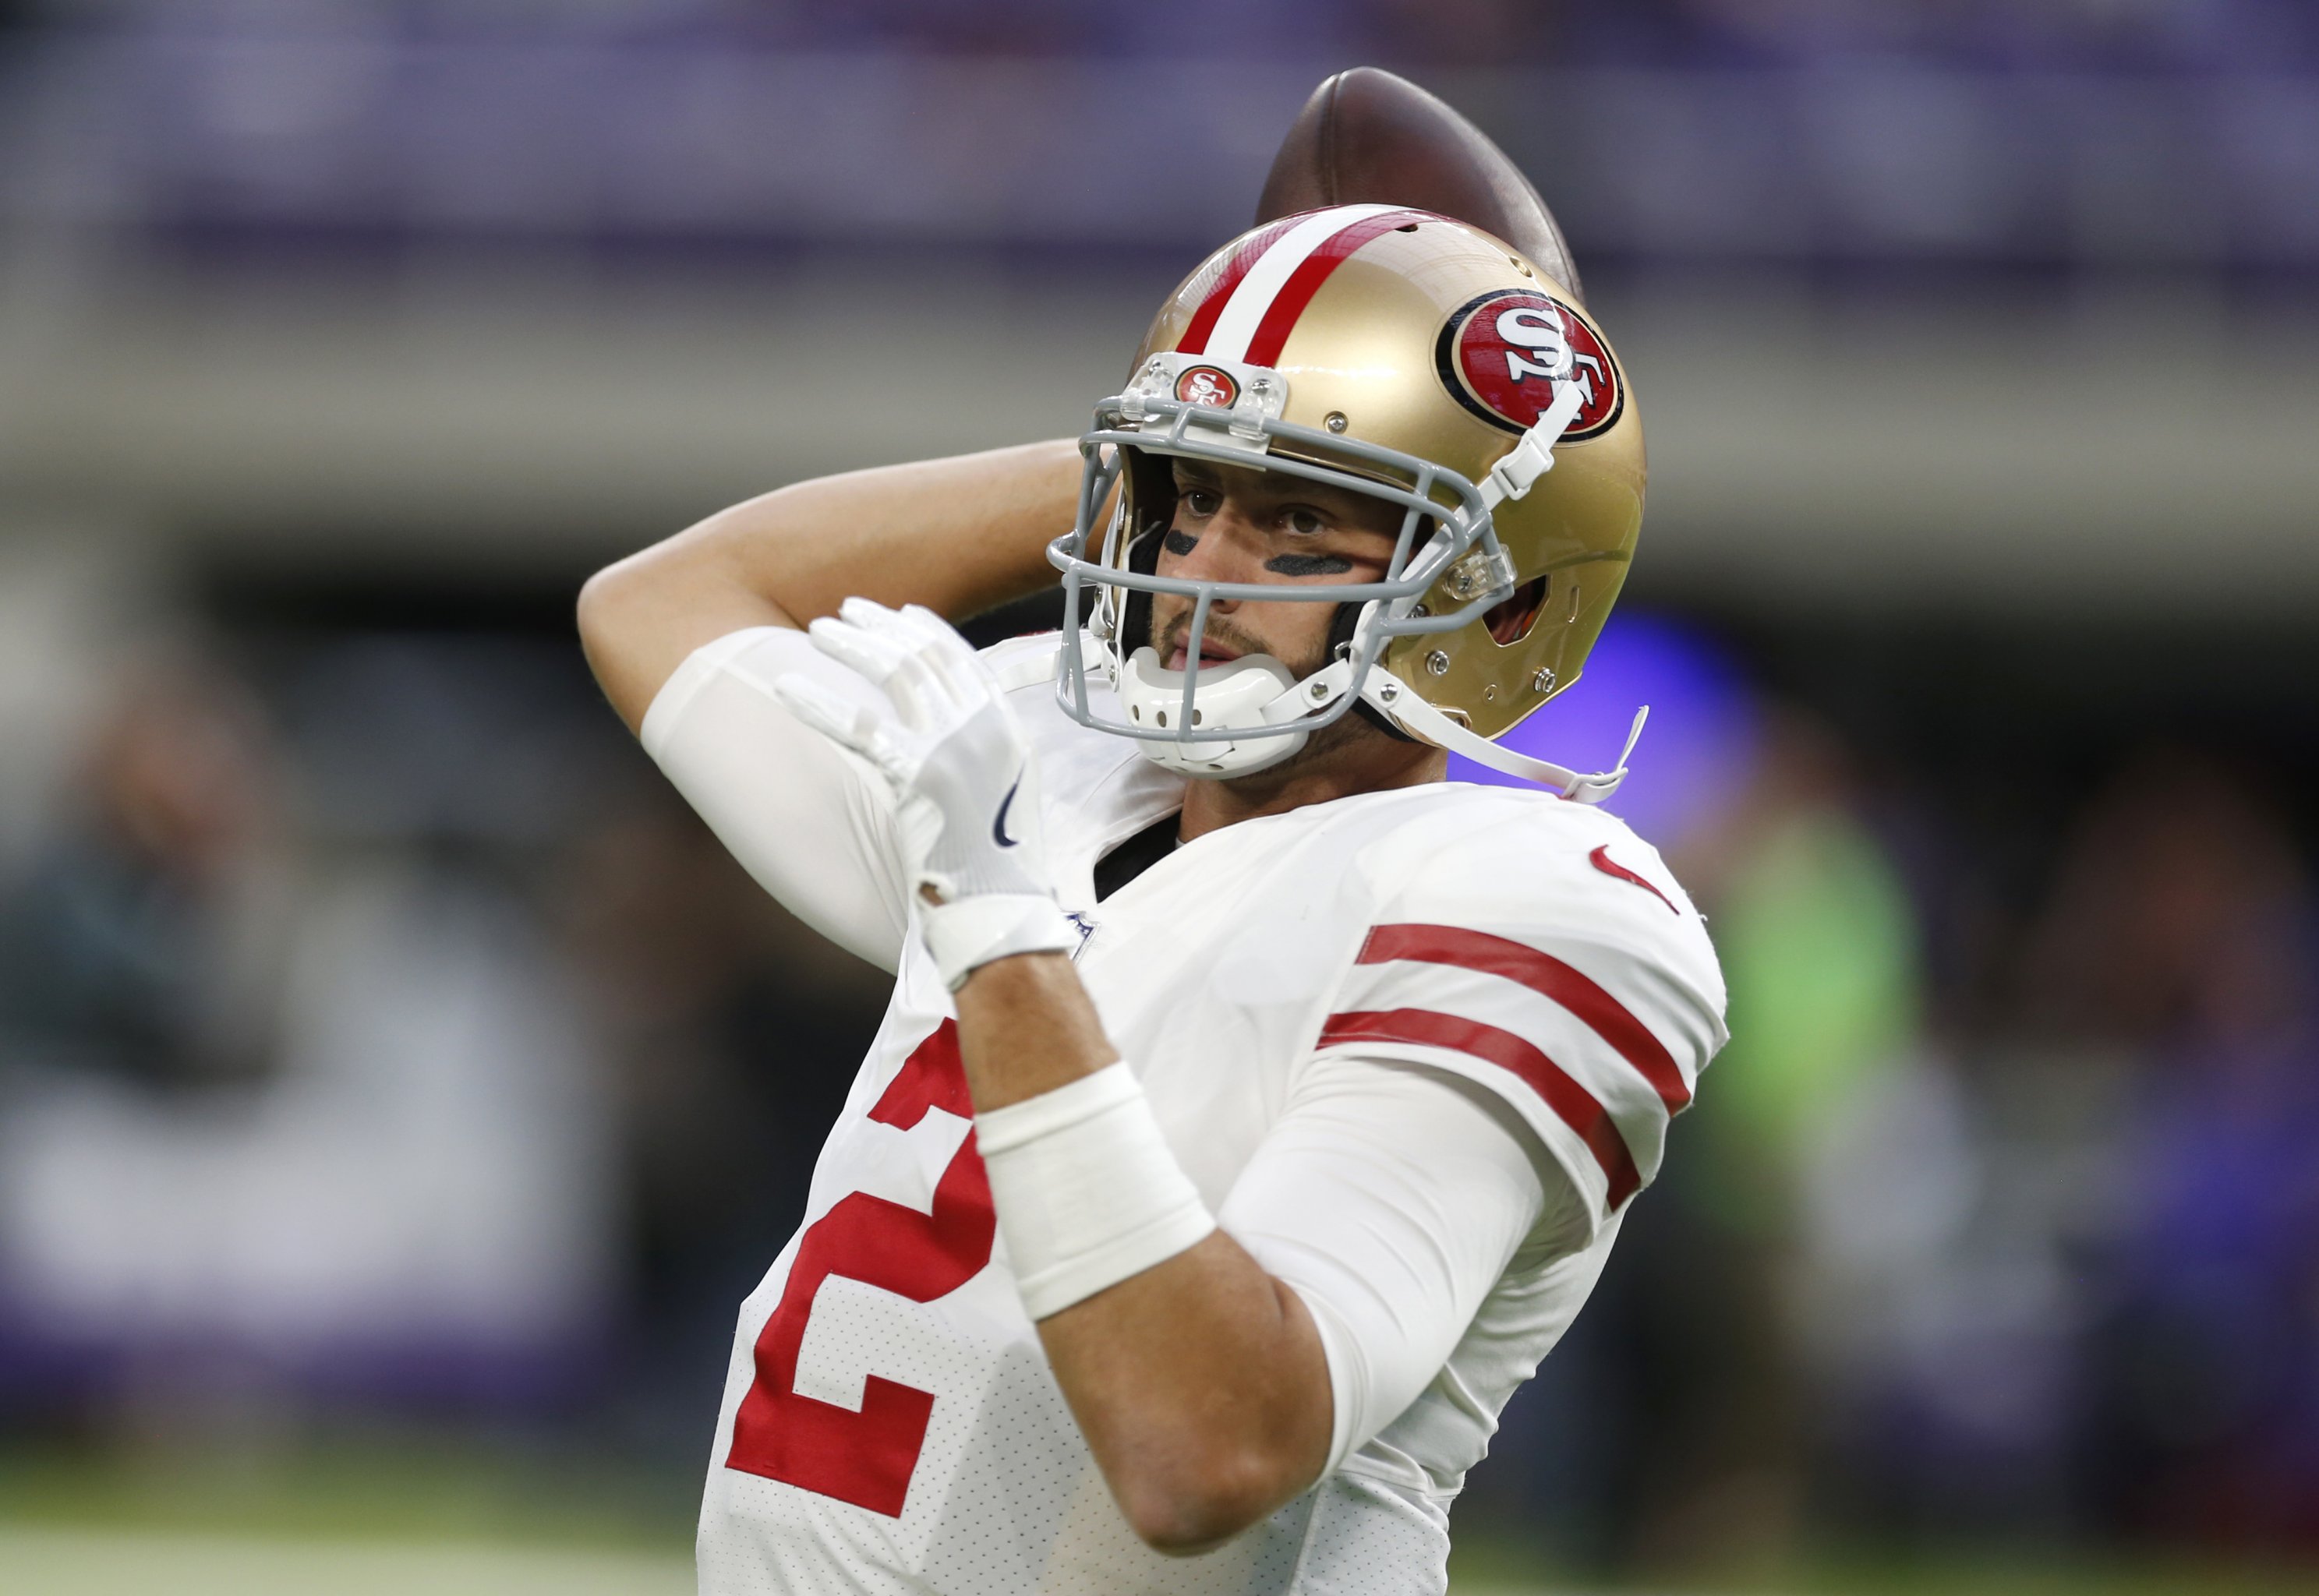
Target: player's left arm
1215	1382
1200	1381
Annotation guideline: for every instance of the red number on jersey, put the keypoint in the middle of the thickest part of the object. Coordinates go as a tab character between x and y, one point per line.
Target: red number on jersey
867	1457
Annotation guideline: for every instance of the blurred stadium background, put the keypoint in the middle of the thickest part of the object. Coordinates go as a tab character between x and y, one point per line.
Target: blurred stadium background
398	1091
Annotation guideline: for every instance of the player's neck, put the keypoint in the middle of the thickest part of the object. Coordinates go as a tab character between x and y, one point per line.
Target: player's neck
1368	765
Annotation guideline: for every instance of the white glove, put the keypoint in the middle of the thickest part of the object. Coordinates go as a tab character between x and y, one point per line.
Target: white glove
964	779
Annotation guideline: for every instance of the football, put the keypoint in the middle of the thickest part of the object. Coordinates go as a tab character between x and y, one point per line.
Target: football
1368	137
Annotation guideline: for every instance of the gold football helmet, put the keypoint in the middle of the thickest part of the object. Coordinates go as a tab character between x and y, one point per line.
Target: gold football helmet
1411	358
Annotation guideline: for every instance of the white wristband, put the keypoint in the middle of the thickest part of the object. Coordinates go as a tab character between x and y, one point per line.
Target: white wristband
1087	1193
969	932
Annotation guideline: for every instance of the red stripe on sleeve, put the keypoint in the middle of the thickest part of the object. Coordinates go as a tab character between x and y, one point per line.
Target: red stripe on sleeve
1542	973
1304	282
1572	1103
1194	340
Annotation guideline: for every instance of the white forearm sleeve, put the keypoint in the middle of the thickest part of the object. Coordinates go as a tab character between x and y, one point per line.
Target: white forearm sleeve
814	825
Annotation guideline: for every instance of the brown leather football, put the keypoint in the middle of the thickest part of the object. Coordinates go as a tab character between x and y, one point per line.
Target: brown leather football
1367	137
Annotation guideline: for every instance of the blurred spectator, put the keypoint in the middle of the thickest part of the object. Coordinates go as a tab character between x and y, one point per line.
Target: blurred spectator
1820	948
2182	929
147	937
2070	1290
401	1190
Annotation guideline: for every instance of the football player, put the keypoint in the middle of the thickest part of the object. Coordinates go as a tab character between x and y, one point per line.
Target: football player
1255	1107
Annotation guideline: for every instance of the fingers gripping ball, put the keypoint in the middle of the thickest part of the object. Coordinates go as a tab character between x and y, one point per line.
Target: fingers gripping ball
965	782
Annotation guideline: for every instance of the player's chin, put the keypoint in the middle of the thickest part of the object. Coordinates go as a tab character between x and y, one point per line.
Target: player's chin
1350	733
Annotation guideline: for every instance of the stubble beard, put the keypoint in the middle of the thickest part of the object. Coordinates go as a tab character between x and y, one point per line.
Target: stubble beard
1348	730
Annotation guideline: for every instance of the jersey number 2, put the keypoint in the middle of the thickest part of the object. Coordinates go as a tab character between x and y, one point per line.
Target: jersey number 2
867	1457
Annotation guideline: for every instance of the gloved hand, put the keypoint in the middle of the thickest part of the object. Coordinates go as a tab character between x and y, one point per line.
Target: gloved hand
963	775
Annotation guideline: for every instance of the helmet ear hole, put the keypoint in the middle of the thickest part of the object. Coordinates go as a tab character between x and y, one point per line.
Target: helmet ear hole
1136	623
1511	619
1151	501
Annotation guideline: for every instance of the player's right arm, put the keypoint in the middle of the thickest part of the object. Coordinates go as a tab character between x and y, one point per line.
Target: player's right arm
958	536
688	637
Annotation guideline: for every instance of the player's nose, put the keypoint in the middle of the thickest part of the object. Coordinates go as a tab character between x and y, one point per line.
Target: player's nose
1229	549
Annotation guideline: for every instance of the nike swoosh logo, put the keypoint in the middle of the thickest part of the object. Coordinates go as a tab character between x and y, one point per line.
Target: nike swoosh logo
998	826
1602	861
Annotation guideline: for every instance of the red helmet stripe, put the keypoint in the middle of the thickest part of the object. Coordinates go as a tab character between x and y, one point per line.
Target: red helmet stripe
1194	340
1280	316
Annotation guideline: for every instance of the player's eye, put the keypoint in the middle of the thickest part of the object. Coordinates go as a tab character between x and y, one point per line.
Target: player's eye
1304	523
1201	503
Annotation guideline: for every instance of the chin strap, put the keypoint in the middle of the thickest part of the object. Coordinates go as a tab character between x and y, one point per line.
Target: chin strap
1532	456
1390	697
1420	719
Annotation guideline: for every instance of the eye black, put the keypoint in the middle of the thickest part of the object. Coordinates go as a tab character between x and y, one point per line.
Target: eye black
1308	565
1179	544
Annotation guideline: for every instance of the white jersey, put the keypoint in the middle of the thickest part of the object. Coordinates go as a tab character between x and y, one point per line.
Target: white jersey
1416	1049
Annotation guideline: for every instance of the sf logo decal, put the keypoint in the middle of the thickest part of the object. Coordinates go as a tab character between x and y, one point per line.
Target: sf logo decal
1206	384
1501	355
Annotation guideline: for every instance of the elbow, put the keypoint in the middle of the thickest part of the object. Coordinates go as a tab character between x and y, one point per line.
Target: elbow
603	598
1198	1505
615	622
639	618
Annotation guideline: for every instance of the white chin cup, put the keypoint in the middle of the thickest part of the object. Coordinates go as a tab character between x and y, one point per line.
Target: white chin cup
1230	697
